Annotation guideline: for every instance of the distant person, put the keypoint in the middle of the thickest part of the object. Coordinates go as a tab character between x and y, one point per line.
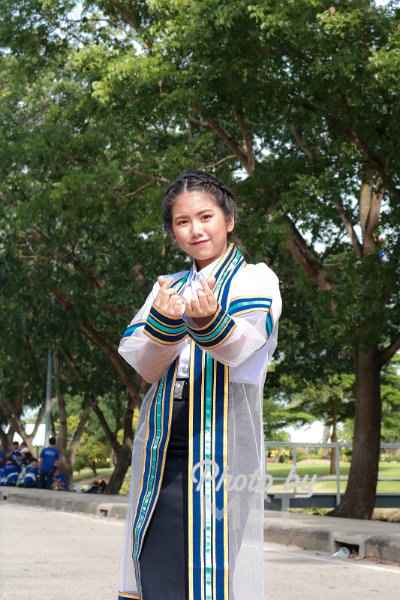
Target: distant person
31	475
49	458
26	453
11	471
58	481
2	459
97	487
13	450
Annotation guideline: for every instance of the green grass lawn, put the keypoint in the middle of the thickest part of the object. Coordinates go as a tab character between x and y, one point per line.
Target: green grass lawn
326	482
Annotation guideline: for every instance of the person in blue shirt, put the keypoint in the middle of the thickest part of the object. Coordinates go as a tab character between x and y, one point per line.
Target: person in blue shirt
49	458
13	451
2	458
11	471
31	476
58	482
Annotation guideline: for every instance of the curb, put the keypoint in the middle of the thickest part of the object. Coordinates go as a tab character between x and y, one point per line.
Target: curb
95	504
367	539
372	539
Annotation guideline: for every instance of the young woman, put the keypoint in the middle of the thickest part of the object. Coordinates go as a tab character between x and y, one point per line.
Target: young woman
203	339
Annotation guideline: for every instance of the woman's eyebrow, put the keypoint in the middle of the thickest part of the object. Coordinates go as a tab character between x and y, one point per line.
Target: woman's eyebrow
203	210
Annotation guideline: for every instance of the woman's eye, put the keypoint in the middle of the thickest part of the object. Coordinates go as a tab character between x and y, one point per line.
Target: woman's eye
182	222
206	217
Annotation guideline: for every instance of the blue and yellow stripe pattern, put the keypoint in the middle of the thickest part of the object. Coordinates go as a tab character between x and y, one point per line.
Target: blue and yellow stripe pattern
245	304
158	426
163	328
215	333
132	328
208	439
159	326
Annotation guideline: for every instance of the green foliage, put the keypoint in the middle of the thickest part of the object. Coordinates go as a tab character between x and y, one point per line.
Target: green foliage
294	104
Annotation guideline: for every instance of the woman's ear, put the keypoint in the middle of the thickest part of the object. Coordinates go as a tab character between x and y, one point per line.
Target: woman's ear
230	225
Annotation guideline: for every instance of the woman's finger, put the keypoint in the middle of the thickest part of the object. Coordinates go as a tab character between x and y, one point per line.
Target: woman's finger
211	283
164	282
188	308
202	298
205	287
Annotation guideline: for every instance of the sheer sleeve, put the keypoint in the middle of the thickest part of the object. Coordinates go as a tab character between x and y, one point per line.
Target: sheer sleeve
152	340
251	321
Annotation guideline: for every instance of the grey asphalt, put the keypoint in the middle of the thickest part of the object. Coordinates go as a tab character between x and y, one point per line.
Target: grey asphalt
372	539
53	555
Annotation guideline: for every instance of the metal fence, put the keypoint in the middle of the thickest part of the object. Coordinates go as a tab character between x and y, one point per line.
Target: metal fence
337	446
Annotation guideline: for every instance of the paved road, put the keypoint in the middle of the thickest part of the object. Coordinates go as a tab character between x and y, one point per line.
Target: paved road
49	555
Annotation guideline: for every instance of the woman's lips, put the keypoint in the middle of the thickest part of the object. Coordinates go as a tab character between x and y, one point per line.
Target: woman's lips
200	243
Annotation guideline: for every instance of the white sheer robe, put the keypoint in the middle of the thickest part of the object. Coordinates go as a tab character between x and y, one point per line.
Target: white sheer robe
254	304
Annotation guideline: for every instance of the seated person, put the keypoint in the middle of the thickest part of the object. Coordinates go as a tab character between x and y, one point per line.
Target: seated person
26	453
11	472
13	450
31	475
18	460
21	475
58	481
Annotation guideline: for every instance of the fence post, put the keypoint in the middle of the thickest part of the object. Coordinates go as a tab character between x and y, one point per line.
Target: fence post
337	462
295	462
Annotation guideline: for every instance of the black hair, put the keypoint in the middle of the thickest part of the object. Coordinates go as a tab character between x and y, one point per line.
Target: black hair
191	181
52	441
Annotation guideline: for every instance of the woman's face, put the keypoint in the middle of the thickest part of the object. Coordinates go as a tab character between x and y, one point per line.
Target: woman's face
200	227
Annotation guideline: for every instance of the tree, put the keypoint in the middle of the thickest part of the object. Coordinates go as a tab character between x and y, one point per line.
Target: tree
293	103
304	98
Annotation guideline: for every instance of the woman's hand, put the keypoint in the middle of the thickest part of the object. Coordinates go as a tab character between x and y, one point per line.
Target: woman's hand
167	299
203	306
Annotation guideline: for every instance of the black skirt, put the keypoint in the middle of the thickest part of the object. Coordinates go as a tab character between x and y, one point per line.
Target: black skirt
164	556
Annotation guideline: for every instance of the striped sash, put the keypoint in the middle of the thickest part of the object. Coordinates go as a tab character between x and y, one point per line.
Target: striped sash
208	441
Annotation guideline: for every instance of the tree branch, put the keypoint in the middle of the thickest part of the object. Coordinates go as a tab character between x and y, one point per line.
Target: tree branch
228	140
73	447
390	351
153	178
306	259
39	420
300	141
140	189
370	206
116	446
100	342
216	164
354	137
248	143
125	15
14	421
349	228
128	422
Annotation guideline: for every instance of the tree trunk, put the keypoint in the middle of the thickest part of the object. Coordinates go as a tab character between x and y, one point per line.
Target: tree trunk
4	441
123	456
359	498
325	439
68	454
122	452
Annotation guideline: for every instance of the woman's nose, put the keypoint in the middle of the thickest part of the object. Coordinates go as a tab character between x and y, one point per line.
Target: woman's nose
196	227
